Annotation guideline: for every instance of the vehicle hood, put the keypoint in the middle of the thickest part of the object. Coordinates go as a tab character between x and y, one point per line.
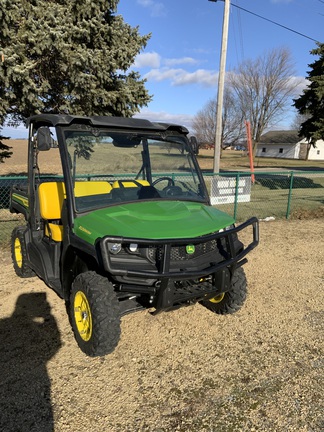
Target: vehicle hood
152	220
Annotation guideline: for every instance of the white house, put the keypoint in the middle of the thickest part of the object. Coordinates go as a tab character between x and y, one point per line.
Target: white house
287	144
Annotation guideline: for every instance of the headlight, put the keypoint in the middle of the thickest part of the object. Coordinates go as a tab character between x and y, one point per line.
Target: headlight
133	247
229	227
114	248
226	228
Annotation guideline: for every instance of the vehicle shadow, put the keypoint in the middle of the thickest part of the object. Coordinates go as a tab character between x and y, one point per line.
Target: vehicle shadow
28	339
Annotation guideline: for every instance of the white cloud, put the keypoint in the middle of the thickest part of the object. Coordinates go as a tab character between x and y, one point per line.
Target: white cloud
301	84
201	76
178	61
176	76
180	77
157	8
151	60
164	74
165	117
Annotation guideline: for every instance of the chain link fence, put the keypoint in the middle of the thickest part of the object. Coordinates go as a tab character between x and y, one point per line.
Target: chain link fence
267	194
8	220
243	194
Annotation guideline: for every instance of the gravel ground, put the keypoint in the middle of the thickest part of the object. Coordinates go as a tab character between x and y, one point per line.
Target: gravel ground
258	370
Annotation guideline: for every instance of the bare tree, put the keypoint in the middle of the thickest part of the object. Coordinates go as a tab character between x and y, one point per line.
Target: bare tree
204	123
296	125
264	88
298	120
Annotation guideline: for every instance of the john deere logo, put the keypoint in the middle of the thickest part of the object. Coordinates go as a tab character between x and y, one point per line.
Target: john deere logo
190	249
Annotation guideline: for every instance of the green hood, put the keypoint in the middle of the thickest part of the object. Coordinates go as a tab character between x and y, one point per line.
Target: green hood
152	220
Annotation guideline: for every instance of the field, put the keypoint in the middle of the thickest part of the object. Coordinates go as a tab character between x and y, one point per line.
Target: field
17	163
191	371
231	160
238	161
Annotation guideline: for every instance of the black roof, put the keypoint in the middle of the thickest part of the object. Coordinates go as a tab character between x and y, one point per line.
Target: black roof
104	121
280	137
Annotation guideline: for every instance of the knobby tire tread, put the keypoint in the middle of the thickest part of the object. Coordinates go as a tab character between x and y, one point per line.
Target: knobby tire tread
234	298
24	271
105	314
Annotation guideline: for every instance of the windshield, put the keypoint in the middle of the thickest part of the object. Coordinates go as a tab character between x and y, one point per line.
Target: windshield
109	168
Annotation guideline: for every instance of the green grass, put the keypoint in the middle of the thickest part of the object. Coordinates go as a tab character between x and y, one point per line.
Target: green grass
269	197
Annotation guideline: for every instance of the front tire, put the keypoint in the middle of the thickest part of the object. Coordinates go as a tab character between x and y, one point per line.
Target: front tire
19	253
94	314
232	300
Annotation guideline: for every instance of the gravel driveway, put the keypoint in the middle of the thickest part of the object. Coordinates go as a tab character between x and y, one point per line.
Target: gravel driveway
258	370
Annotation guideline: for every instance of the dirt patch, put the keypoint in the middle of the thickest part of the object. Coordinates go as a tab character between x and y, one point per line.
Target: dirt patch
260	369
308	214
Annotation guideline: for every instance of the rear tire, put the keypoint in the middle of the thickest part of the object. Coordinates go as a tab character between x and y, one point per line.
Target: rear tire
232	300
19	253
94	314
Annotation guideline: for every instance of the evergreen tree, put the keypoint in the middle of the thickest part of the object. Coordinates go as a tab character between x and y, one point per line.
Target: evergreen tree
68	57
4	149
311	102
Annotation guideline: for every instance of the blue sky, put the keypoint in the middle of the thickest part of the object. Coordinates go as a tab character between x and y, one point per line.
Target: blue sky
181	60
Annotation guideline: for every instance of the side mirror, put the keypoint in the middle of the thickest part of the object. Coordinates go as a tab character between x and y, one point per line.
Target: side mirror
194	144
44	139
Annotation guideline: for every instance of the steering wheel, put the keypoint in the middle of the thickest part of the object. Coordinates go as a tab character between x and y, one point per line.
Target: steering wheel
168	179
173	191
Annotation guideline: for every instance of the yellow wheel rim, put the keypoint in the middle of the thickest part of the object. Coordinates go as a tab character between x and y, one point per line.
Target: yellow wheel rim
82	316
217	299
18	253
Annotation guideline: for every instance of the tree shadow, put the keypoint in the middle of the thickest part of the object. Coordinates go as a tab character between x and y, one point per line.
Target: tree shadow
28	340
303	168
283	182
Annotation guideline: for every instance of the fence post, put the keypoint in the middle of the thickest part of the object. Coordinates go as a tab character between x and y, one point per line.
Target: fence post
236	194
290	194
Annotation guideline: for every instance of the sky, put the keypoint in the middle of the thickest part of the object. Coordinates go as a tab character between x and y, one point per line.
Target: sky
181	59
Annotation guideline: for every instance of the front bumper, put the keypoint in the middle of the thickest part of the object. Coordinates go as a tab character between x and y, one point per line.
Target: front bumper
228	252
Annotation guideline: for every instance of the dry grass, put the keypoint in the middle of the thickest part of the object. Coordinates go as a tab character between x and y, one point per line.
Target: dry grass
238	161
49	162
231	160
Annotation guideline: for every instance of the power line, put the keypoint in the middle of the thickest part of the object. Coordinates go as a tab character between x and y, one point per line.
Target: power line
238	37
273	22
240	31
321	1
308	8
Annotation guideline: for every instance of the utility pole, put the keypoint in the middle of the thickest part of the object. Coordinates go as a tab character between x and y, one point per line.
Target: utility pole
220	92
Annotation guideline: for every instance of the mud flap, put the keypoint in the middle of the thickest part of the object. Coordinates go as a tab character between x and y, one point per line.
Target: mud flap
222	280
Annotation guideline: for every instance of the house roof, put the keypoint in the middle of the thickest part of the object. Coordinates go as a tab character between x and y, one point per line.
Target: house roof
280	137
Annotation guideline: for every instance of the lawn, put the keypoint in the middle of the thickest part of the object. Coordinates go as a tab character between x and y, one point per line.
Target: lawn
238	161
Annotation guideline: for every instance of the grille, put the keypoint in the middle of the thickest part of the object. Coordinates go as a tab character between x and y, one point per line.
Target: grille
179	253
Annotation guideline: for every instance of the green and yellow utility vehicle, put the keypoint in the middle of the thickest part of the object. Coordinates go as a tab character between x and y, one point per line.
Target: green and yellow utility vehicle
118	220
